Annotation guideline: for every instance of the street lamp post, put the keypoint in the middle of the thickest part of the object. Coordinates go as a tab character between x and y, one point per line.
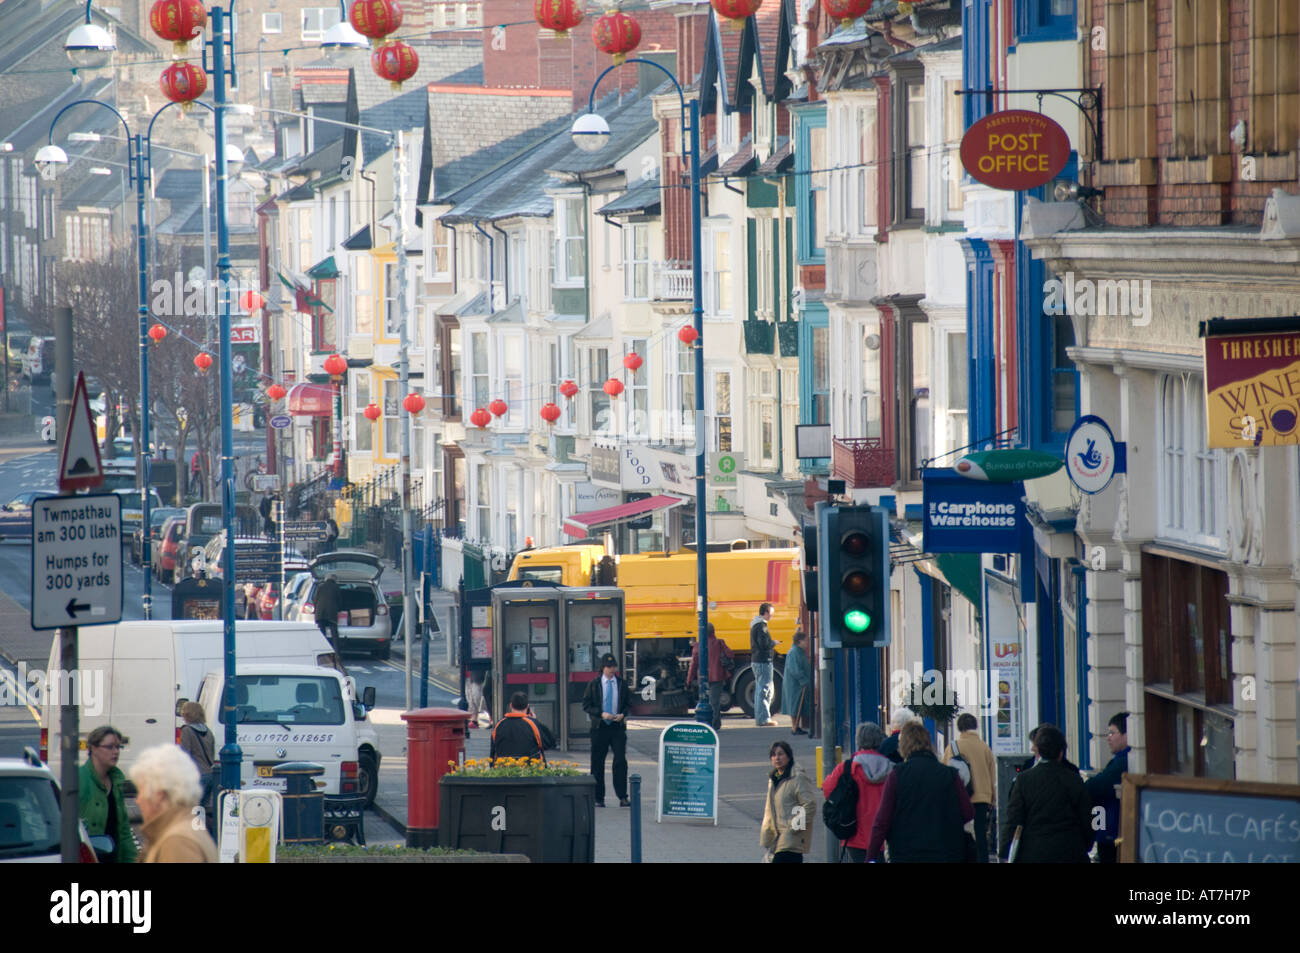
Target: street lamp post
140	171
591	133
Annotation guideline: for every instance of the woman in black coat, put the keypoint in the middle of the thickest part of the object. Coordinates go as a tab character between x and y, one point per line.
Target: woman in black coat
1051	806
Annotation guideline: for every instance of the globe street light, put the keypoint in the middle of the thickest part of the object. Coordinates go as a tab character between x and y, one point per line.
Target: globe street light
89	45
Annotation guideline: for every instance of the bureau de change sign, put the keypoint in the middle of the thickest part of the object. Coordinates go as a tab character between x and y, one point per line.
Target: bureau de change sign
688	772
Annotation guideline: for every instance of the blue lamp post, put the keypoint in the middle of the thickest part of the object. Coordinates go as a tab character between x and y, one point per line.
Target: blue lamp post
591	133
140	172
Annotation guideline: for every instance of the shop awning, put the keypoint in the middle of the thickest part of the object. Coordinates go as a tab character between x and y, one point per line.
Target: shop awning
582	524
311	400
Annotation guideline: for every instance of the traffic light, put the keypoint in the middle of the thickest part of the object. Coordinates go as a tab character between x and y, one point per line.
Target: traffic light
810	566
855	576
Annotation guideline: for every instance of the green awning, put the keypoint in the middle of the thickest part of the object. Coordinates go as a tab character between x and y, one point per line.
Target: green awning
962	570
324	269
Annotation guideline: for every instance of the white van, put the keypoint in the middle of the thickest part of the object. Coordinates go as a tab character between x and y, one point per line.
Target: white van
287	713
141	671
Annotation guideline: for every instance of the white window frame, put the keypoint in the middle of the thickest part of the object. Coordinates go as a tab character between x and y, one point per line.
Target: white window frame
679	392
392	417
324	17
512	380
638	390
636	267
719	284
1192	479
360	388
569	242
273	17
392	313
439	241
475	398
720	411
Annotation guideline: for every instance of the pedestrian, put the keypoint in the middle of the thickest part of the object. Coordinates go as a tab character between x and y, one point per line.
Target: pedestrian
722	662
761	648
1050	807
606	703
871	770
102	798
796	686
266	508
1103	788
474	695
923	808
517	734
983	774
786	833
326	602
331	534
197	742
167	786
900	718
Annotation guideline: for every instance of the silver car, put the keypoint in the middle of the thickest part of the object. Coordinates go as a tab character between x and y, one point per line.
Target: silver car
30	818
364	622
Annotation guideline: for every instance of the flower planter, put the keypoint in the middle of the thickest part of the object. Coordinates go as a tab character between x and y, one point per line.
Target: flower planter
548	819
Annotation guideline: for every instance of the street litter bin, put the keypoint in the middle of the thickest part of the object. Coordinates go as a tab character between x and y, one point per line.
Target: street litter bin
303	818
435	738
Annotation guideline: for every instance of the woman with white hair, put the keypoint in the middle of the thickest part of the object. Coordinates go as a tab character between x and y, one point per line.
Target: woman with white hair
900	718
168	789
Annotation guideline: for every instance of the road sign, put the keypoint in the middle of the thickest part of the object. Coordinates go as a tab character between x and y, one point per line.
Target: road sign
76	560
307	532
79	465
280	421
266	482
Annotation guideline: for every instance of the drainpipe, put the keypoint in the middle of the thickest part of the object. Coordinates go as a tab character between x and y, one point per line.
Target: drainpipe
586	248
779	261
492	262
505	259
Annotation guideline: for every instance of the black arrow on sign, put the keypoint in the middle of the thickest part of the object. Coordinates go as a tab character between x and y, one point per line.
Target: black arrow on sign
74	607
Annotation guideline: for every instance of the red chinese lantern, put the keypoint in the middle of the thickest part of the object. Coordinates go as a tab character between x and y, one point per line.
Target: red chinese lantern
550	412
558	15
688	334
736	11
569	389
613	387
179	21
414	403
480	418
499	407
251	301
846	11
336	365
157	332
375	18
276	392
183	83
202	360
372	412
395	62
633	362
616	33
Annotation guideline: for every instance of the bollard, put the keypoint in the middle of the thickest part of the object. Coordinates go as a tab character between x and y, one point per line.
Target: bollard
636	818
303	804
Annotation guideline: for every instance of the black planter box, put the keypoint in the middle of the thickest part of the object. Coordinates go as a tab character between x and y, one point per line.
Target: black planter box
550	820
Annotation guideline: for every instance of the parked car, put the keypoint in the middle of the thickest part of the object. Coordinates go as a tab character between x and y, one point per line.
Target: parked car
363	611
30	816
296	590
156	519
16	514
246	592
133	510
204	521
166	554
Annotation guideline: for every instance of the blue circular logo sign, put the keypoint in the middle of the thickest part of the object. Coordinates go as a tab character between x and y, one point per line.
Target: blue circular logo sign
1090	454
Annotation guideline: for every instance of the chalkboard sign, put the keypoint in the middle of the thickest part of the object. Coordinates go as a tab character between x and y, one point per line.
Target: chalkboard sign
688	772
1168	819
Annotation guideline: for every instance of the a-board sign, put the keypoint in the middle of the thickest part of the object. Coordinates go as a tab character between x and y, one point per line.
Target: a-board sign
688	772
1167	819
76	560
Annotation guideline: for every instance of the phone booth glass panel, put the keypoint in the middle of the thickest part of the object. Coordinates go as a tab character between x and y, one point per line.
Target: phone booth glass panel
526	626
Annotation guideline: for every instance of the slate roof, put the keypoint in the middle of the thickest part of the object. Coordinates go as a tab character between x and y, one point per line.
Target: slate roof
456	175
643	197
178	184
739	164
359	240
780	159
405	112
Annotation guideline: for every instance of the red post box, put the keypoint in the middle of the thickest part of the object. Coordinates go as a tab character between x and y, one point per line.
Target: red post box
434	737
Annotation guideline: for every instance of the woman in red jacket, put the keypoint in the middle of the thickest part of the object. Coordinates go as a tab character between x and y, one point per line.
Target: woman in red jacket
870	770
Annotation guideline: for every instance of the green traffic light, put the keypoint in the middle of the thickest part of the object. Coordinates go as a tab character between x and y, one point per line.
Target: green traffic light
855	620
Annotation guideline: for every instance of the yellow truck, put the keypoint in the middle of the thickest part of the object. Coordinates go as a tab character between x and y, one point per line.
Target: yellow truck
660	589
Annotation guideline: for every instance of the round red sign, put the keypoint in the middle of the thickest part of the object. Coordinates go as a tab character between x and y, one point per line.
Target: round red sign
1015	150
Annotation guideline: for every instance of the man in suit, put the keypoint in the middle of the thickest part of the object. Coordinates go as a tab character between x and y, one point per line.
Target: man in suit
606	703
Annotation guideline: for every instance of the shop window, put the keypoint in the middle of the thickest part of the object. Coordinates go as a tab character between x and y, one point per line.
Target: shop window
1274	75
1130	79
1201	78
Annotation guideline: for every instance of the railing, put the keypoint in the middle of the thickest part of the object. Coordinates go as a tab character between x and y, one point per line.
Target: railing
863	462
672	282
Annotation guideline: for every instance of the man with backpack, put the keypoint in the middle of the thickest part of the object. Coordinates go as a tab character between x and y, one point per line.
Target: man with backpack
853	791
974	761
722	662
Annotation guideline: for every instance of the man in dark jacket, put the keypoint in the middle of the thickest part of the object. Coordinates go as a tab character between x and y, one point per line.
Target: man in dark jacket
326	602
721	660
606	702
923	807
1051	807
761	647
517	735
1103	788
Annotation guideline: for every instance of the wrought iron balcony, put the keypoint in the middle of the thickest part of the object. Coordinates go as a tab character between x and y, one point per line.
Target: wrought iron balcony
863	462
672	282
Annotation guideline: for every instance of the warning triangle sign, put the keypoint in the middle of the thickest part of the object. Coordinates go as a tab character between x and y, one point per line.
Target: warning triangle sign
79	464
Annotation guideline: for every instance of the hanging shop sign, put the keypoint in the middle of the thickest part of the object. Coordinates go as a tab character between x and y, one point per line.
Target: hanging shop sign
1015	150
1006	466
1092	455
604	464
1252	389
964	516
